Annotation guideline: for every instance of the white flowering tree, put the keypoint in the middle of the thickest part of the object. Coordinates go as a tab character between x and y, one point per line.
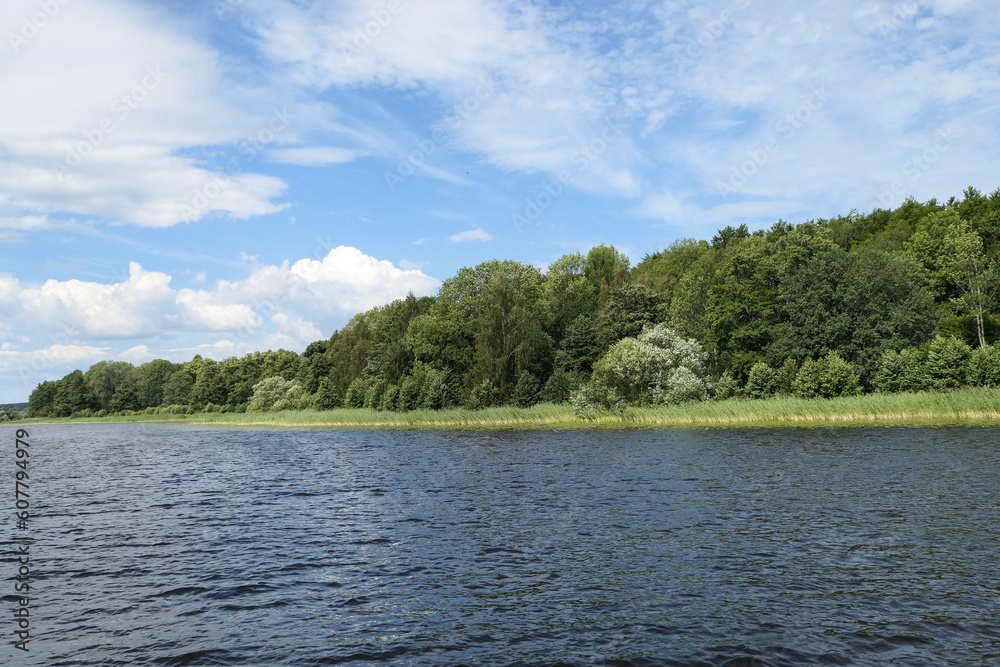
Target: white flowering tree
657	368
275	394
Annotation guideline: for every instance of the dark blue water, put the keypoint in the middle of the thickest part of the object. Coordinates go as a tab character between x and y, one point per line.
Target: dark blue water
162	545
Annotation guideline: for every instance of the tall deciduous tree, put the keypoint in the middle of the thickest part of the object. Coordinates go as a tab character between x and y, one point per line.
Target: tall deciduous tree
972	272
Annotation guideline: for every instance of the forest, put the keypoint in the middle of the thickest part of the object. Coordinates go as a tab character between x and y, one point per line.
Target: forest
895	300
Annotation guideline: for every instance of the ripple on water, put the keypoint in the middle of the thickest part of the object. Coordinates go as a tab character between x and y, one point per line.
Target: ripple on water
162	545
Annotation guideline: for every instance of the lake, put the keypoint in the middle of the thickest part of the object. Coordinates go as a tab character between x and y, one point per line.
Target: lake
174	545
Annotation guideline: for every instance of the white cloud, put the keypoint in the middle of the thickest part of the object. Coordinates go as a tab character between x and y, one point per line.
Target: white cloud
97	106
304	301
316	156
523	90
471	235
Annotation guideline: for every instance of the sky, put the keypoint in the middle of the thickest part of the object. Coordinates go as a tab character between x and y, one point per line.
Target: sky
219	177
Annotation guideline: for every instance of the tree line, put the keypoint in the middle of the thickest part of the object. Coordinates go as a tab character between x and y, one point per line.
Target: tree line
895	300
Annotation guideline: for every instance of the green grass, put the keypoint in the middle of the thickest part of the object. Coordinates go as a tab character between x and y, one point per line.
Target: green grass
965	406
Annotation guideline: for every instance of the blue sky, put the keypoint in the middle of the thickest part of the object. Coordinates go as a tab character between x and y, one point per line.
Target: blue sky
214	178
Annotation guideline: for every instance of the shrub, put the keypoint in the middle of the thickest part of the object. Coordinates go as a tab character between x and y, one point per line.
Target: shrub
786	377
727	387
584	403
485	395
984	366
762	381
560	385
327	396
948	363
373	397
809	380
657	368
913	374
527	390
888	372
826	378
409	392
436	392
390	399
357	392
839	377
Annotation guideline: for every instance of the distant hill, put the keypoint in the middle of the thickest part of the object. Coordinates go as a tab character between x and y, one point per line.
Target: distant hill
14	406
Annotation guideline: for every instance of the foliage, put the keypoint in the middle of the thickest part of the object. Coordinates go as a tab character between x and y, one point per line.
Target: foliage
527	390
855	304
560	385
984	367
274	394
762	381
821	308
727	387
826	378
948	363
657	368
484	395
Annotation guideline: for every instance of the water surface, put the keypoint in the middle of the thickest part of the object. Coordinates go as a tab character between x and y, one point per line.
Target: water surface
170	545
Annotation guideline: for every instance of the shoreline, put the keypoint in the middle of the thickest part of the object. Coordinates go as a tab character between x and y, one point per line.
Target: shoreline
971	407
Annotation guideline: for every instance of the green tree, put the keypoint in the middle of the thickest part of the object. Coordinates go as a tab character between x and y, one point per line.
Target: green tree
606	268
103	379
626	312
73	396
688	304
579	348
177	388
504	336
41	402
973	274
152	376
855	304
984	366
568	294
742	308
208	386
662	271
826	378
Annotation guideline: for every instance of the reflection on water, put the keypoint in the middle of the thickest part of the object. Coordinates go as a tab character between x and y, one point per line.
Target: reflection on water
165	545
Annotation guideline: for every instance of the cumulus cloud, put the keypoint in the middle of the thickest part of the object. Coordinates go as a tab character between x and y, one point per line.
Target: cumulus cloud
302	300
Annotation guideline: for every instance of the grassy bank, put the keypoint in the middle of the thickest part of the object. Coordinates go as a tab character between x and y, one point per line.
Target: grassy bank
971	406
